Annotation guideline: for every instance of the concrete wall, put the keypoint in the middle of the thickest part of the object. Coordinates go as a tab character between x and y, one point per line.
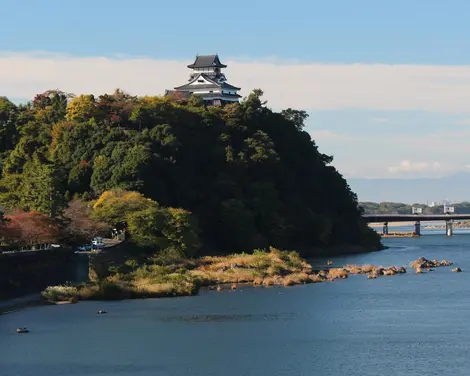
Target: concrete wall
30	272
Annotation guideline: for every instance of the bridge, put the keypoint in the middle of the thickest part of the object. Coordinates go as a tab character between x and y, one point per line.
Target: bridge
417	218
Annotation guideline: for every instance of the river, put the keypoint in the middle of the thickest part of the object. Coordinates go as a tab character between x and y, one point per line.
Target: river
398	325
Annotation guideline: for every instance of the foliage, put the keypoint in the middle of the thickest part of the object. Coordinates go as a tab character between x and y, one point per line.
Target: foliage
29	229
80	227
149	224
249	175
182	277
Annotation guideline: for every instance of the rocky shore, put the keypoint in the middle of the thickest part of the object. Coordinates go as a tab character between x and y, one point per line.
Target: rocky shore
186	277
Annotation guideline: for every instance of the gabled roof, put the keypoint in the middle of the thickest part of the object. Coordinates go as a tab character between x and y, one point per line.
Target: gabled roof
209	85
207	61
190	85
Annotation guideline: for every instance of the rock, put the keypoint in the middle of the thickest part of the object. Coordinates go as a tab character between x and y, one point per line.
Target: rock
234	286
220	288
401	269
419	270
380	271
423	263
457	270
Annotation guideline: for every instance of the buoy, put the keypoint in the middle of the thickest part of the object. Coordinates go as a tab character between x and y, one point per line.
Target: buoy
22	330
101	312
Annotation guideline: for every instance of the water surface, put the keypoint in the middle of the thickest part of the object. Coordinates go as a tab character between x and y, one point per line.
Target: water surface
399	325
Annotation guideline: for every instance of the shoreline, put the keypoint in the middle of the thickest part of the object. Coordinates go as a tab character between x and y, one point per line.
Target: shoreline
20	303
312	275
210	279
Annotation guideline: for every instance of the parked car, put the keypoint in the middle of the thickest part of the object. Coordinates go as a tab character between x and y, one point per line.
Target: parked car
97	242
84	247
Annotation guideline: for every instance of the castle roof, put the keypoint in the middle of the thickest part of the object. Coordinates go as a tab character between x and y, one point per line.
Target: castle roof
209	85
207	61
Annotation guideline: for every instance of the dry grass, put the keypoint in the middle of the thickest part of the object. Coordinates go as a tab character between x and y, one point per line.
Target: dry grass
316	278
185	277
337	273
268	281
268	268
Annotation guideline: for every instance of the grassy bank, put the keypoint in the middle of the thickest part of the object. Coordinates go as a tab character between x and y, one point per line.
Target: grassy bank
184	277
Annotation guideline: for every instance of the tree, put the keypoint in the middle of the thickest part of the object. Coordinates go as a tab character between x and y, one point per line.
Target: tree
115	206
80	227
296	117
251	176
29	229
42	188
181	231
146	226
50	106
8	119
81	108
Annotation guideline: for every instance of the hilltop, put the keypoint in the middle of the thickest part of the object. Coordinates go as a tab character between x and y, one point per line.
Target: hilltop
240	176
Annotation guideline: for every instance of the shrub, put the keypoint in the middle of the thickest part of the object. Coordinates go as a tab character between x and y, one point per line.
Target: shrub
59	293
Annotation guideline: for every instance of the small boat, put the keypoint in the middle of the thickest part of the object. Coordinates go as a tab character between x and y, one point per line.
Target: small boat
101	312
22	330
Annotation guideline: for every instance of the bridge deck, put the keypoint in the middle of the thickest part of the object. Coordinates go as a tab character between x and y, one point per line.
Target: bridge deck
380	218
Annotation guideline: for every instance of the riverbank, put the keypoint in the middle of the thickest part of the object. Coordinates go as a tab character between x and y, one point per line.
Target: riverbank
457	224
184	277
14	305
400	235
391	224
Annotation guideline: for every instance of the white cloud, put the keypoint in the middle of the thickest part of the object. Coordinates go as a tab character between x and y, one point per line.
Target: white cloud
380	120
326	134
408	166
463	121
286	84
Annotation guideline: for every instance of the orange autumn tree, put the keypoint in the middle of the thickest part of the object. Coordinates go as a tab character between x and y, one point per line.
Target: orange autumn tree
28	229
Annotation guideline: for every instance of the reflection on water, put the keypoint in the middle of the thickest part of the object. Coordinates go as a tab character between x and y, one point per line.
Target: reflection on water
399	325
227	318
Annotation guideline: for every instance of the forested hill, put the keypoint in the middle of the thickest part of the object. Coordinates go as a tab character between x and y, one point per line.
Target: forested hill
252	177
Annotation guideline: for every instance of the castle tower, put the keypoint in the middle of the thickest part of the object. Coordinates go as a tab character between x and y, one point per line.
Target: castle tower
207	81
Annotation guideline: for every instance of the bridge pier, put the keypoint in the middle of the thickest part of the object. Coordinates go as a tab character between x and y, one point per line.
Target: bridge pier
417	231
385	228
449	227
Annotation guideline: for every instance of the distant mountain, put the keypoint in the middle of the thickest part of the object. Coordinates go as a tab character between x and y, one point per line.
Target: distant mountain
422	190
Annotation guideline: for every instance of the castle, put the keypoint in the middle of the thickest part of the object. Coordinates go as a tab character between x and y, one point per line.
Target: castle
208	82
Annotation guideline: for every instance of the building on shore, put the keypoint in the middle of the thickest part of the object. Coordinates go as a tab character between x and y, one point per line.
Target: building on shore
208	82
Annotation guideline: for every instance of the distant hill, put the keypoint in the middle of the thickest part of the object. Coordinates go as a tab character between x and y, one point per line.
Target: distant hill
422	190
400	208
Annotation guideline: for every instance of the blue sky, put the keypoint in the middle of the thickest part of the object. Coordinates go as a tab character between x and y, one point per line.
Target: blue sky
386	82
388	31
